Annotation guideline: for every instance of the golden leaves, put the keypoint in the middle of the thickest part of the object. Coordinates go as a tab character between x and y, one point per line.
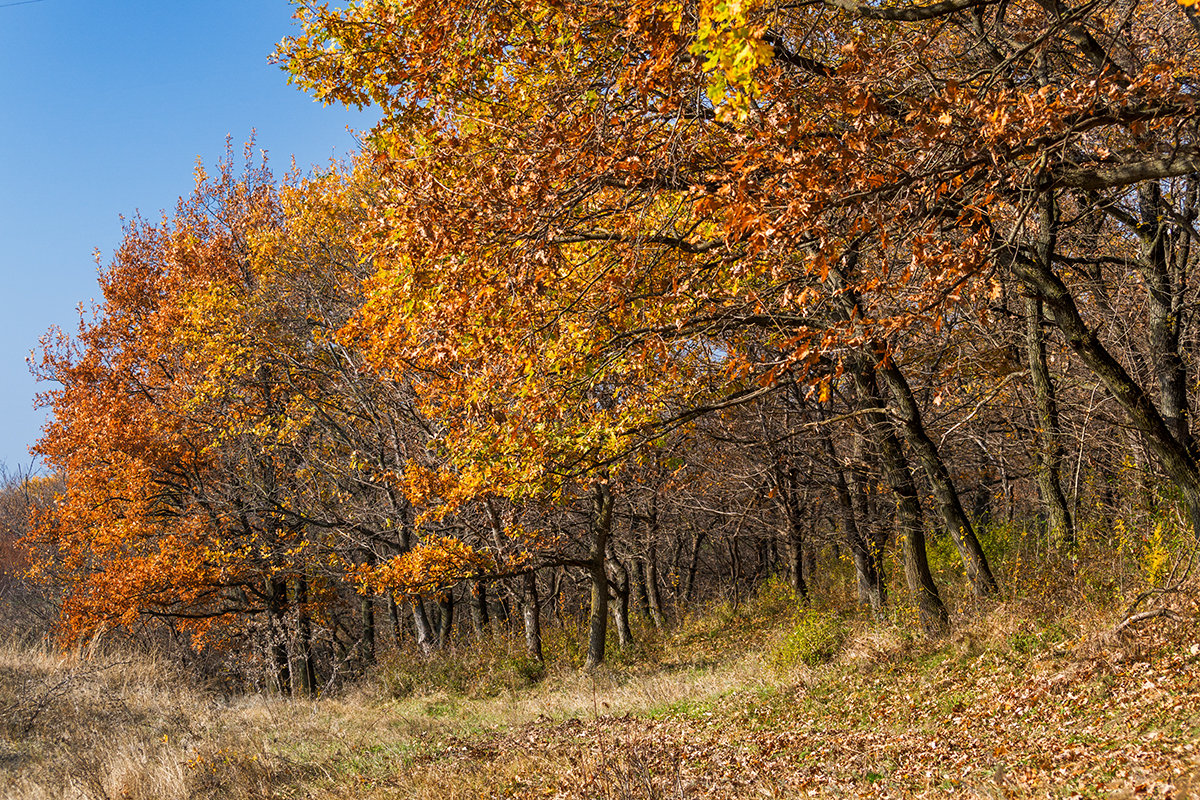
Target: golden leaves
427	570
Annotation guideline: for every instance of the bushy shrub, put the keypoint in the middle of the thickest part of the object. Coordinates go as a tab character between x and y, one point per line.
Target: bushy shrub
816	638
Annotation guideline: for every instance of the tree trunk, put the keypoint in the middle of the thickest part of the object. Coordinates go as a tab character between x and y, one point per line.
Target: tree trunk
367	622
809	563
531	612
653	595
479	610
445	629
870	540
641	597
424	631
394	621
1166	287
1047	436
601	526
1048	439
868	574
620	609
307	672
689	584
930	609
789	486
957	525
276	591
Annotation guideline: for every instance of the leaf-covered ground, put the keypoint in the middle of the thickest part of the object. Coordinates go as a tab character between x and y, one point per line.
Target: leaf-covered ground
1122	722
1008	706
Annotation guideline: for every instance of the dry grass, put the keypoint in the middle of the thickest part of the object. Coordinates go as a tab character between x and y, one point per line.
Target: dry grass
733	704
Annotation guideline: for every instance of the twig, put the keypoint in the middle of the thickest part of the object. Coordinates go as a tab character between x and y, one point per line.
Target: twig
1145	615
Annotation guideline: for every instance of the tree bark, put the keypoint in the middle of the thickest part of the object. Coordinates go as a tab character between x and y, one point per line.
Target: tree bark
689	583
641	597
424	631
867	567
979	574
276	592
1048	437
930	610
394	621
479	610
620	589
307	672
1165	294
869	534
788	481
445	629
601	526
653	595
367	622
531	613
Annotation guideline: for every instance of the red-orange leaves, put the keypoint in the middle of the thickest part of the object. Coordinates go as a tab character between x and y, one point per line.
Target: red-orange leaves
159	516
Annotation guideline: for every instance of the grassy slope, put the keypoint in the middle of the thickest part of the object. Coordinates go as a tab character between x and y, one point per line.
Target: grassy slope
757	701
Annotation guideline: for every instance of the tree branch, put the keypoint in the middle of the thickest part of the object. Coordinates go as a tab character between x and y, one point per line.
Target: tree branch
906	13
1182	162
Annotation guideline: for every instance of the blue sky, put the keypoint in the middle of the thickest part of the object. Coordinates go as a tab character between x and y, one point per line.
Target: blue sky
106	105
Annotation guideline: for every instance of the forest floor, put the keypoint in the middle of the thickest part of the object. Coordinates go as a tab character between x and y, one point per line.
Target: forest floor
1024	699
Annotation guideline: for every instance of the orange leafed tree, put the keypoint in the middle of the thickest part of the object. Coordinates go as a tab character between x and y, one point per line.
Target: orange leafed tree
166	510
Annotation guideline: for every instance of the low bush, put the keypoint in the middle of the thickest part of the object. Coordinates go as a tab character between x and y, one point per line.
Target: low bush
816	638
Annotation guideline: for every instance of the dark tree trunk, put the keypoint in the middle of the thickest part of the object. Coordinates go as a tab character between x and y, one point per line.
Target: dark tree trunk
1048	439
795	564
445	630
307	668
445	619
930	609
367	622
1166	286
1047	436
653	595
531	612
277	638
809	563
479	610
601	526
956	523
789	486
641	596
689	584
394	621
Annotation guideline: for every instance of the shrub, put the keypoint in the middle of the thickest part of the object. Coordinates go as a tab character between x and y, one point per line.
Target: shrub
816	638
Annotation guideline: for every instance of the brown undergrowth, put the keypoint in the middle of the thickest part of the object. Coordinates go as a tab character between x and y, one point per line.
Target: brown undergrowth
1034	695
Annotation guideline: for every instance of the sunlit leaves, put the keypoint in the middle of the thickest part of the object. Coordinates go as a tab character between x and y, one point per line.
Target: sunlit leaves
733	52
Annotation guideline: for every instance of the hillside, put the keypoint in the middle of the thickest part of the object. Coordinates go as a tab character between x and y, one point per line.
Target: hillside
1026	699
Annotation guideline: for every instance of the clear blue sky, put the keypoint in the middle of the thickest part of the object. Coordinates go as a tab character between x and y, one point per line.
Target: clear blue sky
104	107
